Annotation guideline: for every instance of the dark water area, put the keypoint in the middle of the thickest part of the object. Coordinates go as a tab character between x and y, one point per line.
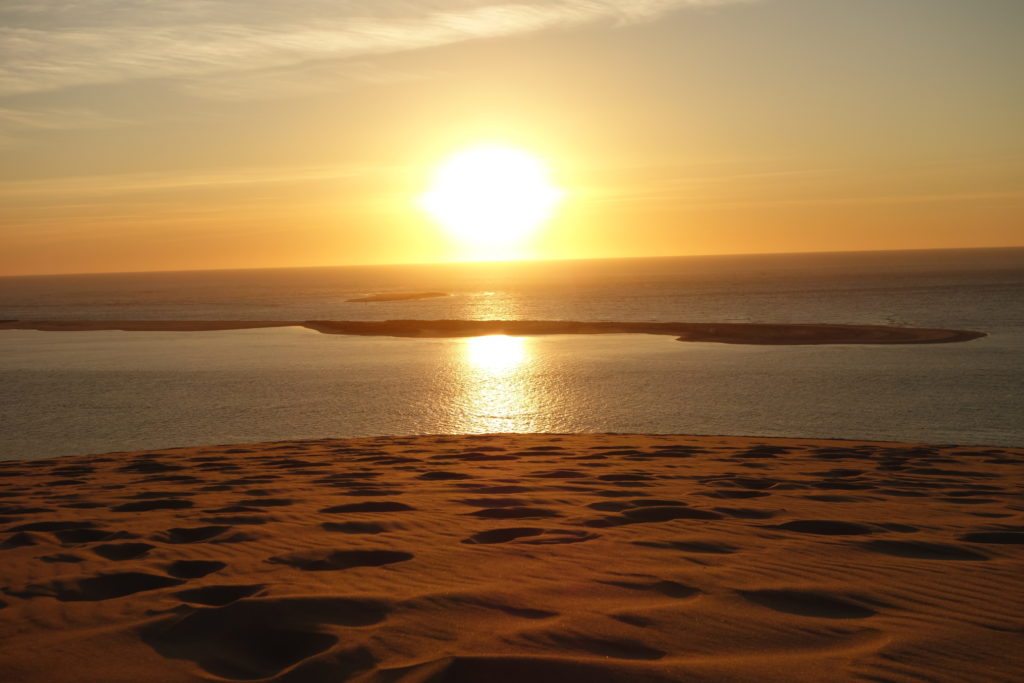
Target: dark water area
66	393
936	288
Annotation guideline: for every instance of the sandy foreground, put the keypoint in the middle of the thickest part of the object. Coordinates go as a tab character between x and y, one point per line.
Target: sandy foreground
516	558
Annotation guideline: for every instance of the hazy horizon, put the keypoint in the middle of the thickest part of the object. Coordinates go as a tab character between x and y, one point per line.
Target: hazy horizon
525	261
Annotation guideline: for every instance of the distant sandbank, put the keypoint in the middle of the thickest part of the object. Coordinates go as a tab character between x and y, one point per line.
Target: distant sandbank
724	333
396	296
621	558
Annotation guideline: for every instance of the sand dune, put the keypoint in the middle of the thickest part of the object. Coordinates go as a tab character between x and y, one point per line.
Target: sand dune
725	333
515	558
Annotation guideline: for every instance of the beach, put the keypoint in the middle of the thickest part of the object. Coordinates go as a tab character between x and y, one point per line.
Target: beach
544	557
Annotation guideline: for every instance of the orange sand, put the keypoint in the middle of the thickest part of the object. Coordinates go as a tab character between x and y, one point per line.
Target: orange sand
501	558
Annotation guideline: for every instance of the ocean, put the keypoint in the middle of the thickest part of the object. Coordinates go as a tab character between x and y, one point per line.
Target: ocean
67	393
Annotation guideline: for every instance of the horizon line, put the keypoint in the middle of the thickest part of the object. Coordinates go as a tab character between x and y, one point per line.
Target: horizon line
510	261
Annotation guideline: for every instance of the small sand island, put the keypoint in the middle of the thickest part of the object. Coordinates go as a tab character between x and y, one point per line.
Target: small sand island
508	558
396	296
724	333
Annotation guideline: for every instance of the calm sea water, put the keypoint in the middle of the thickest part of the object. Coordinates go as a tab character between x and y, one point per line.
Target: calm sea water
83	392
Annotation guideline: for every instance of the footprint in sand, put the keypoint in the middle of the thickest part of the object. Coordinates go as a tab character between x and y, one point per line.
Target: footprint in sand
149	467
493	502
77	536
627	480
344	479
612	450
499	490
82	505
198	534
921	550
515	512
193	569
218	596
734	493
747	513
148	495
617	648
1000	537
610	506
706	547
484	457
670	589
333	560
558	474
62	557
122	551
648	515
442	476
536	536
825	527
374	506
148	505
667	513
354	527
102	586
21	510
237	519
762	451
808	604
613	493
54	525
266	502
258	638
370	491
21	539
511	610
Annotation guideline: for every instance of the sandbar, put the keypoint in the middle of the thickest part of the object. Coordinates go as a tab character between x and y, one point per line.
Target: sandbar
396	296
725	333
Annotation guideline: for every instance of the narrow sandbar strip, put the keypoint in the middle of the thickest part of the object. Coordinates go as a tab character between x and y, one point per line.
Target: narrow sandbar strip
395	296
724	333
141	325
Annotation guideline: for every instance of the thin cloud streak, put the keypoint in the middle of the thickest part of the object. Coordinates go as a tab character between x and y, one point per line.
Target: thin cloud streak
15	122
104	185
51	44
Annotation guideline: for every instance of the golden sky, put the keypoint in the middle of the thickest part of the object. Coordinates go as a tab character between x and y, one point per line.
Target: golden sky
222	134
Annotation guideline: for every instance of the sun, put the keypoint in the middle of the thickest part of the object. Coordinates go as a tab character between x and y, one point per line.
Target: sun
491	197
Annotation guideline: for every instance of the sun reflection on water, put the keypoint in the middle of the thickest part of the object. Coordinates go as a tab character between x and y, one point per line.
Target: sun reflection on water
495	354
496	393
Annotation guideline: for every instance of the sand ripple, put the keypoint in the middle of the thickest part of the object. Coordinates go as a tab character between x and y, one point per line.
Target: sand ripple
509	558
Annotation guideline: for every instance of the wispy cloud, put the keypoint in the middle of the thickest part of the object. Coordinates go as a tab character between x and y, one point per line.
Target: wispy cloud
55	44
296	80
16	121
81	188
56	118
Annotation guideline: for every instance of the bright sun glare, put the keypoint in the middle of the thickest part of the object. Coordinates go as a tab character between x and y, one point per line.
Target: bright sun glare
496	353
491	196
